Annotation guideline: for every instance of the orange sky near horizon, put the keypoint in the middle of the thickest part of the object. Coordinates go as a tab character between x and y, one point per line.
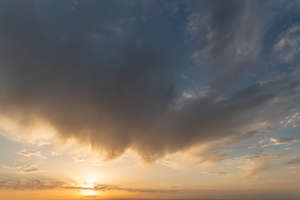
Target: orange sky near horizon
149	99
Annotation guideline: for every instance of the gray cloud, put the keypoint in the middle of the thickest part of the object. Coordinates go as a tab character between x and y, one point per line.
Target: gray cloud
229	36
119	92
287	47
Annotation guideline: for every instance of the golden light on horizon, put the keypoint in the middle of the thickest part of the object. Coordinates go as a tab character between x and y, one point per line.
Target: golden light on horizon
149	100
89	192
89	186
91	179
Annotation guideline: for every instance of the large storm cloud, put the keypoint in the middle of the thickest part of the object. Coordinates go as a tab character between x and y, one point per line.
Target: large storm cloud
110	73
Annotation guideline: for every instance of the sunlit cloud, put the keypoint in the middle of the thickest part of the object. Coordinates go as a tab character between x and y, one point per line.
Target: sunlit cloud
157	99
25	169
31	153
46	184
268	142
29	184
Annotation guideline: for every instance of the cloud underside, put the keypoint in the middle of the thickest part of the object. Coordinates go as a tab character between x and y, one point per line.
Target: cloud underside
121	92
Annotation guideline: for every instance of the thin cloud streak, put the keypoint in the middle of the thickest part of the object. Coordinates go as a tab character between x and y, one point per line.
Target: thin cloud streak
30	153
44	184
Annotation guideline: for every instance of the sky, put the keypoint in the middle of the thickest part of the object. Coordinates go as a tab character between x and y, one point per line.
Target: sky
150	99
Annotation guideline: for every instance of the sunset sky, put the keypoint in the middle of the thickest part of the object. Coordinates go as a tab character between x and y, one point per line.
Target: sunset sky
146	99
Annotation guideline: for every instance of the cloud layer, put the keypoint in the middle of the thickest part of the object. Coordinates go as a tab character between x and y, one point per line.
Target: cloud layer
112	79
48	184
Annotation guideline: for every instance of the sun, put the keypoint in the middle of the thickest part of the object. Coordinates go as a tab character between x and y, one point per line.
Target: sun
88	187
91	179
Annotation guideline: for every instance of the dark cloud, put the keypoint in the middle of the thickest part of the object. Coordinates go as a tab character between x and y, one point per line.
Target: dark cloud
107	73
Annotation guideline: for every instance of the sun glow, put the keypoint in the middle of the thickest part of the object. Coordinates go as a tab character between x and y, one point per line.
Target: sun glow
91	179
89	192
88	186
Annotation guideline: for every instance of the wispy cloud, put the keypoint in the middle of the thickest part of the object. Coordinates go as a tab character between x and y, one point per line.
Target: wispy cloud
294	161
287	47
258	163
104	188
23	168
80	158
46	184
29	184
276	142
31	153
